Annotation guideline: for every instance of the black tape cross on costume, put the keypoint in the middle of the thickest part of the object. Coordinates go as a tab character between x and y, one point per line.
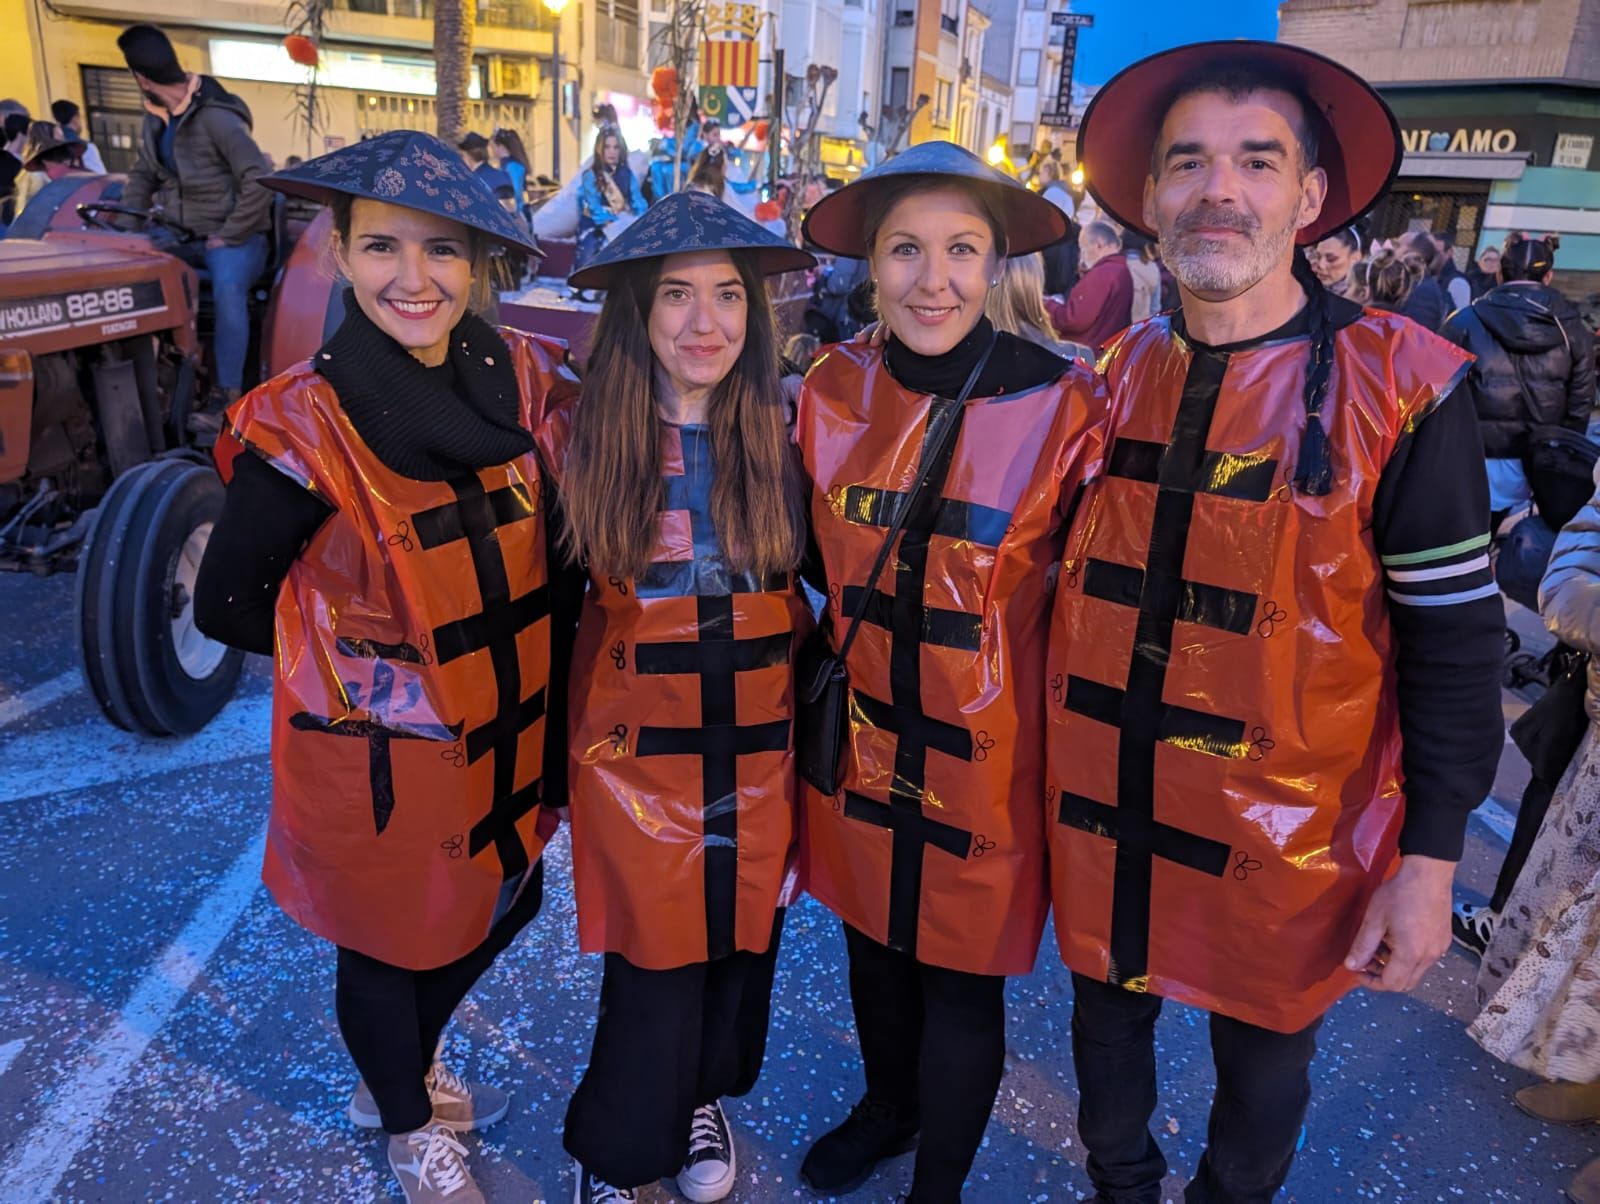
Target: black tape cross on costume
911	624
382	727
1181	469
719	740
476	516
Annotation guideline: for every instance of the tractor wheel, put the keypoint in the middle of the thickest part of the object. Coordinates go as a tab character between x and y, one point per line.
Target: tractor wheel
150	668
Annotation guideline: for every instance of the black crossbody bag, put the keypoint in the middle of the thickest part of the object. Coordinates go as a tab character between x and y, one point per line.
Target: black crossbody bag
822	681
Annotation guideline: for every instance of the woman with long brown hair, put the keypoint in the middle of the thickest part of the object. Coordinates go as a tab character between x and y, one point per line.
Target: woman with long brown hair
608	196
683	499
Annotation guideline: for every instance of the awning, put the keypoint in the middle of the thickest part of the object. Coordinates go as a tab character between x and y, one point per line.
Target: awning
1442	164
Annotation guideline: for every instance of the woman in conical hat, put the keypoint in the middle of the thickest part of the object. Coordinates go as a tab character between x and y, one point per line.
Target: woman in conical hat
384	538
684	501
932	853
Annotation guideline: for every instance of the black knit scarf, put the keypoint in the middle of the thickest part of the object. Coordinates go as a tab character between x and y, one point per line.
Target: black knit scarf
425	423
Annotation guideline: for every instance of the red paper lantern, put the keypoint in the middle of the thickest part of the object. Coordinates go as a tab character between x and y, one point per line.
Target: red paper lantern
664	84
301	49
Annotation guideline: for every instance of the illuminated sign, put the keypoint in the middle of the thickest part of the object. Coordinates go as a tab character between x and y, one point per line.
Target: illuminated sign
1460	141
269	63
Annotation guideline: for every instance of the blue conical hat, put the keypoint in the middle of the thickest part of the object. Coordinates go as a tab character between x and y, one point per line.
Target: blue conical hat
410	169
682	224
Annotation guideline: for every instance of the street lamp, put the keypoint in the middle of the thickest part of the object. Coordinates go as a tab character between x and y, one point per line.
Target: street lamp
555	7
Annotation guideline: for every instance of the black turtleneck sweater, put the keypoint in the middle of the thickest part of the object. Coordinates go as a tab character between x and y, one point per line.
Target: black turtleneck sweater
429	424
1014	365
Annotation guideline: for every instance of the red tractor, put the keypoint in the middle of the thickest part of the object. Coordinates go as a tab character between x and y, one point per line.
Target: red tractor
103	341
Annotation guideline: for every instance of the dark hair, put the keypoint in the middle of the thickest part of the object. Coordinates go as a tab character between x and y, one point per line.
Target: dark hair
710	171
1236	81
63	111
16	125
1313	470
612	490
1104	233
597	160
892	191
1422	245
1525	258
512	141
1347	236
343	205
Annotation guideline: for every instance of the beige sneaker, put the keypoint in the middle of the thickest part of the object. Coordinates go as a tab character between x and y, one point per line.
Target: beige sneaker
432	1167
461	1105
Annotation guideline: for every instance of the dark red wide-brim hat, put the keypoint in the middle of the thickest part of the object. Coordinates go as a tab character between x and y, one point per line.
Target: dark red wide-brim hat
1360	147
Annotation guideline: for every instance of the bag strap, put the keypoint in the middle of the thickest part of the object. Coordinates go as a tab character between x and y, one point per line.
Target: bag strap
935	449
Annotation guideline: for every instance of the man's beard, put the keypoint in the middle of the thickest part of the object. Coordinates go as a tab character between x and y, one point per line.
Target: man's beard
1215	265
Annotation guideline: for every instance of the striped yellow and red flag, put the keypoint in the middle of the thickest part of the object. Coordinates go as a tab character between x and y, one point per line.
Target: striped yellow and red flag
728	64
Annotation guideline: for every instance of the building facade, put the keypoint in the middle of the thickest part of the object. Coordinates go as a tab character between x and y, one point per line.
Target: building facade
1499	107
376	71
1038	115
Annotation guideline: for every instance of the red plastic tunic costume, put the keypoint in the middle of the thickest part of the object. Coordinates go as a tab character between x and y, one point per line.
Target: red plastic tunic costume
413	654
1224	786
682	773
934	846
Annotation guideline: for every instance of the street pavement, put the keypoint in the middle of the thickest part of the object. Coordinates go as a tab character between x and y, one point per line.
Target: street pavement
167	1034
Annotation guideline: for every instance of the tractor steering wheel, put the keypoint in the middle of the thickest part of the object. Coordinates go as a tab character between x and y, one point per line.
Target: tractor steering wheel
91	215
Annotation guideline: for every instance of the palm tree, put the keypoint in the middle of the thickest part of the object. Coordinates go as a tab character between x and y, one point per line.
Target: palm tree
453	23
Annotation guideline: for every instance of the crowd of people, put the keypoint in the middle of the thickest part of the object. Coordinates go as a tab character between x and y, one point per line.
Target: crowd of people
1123	556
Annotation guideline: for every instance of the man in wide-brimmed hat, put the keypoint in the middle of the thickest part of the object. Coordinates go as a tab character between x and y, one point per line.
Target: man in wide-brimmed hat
1274	660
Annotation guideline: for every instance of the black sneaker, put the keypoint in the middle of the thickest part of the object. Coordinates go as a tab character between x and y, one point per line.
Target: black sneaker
1472	926
591	1189
845	1158
710	1167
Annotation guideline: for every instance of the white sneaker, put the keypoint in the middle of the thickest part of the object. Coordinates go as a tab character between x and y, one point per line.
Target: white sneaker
432	1168
592	1189
710	1169
462	1105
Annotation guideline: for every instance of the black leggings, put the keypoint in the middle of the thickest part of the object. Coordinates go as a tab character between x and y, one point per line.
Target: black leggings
666	1042
391	1017
933	1043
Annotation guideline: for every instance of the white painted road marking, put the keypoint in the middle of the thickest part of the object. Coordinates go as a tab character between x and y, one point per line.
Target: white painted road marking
94	753
24	704
9	1052
79	1103
1501	822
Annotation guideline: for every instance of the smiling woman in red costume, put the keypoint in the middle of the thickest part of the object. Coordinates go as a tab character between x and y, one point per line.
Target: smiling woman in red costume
384	538
685	503
1274	665
932	852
